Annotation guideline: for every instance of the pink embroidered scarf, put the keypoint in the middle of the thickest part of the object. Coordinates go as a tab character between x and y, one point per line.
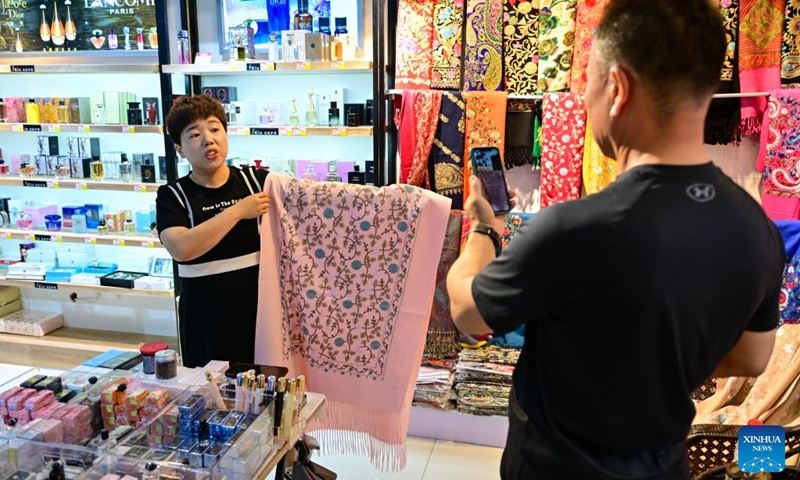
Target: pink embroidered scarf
779	157
563	136
346	287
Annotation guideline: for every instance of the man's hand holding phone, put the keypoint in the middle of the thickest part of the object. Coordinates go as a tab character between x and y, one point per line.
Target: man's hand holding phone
479	210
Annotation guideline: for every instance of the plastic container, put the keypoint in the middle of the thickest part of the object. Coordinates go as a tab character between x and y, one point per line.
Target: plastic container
148	352
166	364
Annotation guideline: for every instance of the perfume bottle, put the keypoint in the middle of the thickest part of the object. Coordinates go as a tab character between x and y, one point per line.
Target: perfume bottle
57	34
134	113
288	171
310	174
69	27
356	176
25	169
333	175
32	111
336	49
98	171
102	229
3	168
183	47
100	115
333	115
127	32
302	19
62	172
272	52
139	38
130	227
44	28
24	221
74	112
18	43
152	37
98	39
240	50
62	112
344	37
294	117
325	25
124	170
311	111
113	43
152	113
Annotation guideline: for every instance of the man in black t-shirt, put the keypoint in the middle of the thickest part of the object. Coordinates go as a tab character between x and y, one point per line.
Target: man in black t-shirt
634	296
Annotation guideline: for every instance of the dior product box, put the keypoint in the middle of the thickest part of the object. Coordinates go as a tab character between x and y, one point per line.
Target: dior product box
354	114
47	145
223	94
294	45
317	47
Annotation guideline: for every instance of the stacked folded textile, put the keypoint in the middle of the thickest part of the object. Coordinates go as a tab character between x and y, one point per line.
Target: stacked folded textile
483	380
434	387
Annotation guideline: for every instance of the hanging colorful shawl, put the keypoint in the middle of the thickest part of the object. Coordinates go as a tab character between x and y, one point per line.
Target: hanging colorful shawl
442	339
485	127
448	17
521	46
724	114
588	17
790	291
346	287
520	121
483	58
790	58
537	137
778	156
414	38
563	136
598	170
556	41
419	116
760	28
446	162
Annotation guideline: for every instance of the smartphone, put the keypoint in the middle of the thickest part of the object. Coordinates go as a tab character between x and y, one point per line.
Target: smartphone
486	164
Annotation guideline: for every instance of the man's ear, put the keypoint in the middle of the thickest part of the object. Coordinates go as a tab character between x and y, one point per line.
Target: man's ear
620	84
179	150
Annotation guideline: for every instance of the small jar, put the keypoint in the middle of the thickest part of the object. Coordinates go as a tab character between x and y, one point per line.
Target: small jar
166	364
102	229
149	352
62	172
25	169
53	223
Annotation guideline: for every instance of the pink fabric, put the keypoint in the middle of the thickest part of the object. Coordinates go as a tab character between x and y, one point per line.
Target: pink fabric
346	287
563	136
779	157
753	108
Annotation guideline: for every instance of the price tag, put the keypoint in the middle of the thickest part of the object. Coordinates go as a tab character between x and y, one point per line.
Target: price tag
299	131
45	286
285	132
140	188
270	67
128	129
338	66
90	241
148	244
5	235
339	132
54	128
264	131
17	127
31	128
118	242
56	238
30	237
84	128
254	67
52	184
304	65
81	186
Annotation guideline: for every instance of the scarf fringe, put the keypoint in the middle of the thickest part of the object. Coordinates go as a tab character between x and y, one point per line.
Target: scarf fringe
385	457
722	135
749	126
441	345
518	156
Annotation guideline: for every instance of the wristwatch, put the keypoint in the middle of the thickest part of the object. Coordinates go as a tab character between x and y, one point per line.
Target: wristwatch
487	230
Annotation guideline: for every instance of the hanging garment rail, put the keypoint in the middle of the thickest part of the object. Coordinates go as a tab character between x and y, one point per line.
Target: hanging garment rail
393	92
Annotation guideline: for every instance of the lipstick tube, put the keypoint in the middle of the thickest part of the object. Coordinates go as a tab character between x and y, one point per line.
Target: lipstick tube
239	399
279	404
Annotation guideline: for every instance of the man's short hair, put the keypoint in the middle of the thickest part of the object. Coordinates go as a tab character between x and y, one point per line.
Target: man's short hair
674	47
188	110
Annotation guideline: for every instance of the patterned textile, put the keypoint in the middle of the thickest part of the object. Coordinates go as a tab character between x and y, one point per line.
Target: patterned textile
556	40
723	120
486	125
706	390
599	171
448	17
442	340
790	54
537	138
563	135
790	291
414	38
345	296
446	163
760	28
465	229
778	156
588	17
730	14
483	58
514	220
419	116
520	133
521	46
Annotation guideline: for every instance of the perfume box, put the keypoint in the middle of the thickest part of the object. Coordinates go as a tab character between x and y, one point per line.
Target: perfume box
15	109
88	147
368	112
151	111
80	110
369	168
121	279
52	163
224	94
47	145
94	212
294	46
114	113
72	146
67	213
86	279
75	259
97	104
40	163
354	120
152	283
317	47
61	274
37	214
148	172
80	167
100	268
17	160
115	222
273	114
40	255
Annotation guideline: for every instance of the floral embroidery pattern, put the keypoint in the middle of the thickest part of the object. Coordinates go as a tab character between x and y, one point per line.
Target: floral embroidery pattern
513	222
790	52
556	41
521	46
414	38
486	125
563	136
598	170
483	61
427	105
344	254
790	293
730	14
448	16
760	34
589	13
448	147
782	165
442	338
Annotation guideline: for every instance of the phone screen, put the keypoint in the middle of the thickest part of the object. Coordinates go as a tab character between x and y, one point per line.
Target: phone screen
486	164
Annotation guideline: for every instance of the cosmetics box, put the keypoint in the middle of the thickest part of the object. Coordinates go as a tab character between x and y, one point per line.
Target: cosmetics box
293	45
51	163
115	222
38	213
42	255
121	279
148	104
134	262
94	212
358	109
100	268
140	159
15	109
368	112
89	147
72	146
369	168
86	279
114	112
47	145
79	168
61	274
223	94
80	110
28	270
317	47
36	324
47	110
67	213
148	172
143	219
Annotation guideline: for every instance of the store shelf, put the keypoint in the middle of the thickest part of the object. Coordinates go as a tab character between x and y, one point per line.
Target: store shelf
271	131
78	288
89	239
260	68
76	128
82	184
61	68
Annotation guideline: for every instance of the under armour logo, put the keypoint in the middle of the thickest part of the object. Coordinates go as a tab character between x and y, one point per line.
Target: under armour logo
701	192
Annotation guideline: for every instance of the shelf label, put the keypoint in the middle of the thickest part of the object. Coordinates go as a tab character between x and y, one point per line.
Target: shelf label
253	67
56	238
299	131
148	244
140	188
54	128
128	129
304	65
270	67
338	66
52	184
81	186
31	128
23	69
17	127
5	235
260	66
90	241
45	285
339	132
285	132
119	242
264	131
34	183
84	128
41	238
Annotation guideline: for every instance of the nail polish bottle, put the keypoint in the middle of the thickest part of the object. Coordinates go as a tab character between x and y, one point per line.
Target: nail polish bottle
113	43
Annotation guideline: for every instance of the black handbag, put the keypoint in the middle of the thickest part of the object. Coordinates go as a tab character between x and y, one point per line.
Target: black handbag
304	468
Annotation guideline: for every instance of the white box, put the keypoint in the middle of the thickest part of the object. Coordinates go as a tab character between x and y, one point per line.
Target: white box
152	283
29	268
41	255
34	323
86	279
130	262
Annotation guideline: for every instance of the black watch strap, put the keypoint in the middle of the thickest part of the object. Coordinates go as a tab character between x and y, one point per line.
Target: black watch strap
487	230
